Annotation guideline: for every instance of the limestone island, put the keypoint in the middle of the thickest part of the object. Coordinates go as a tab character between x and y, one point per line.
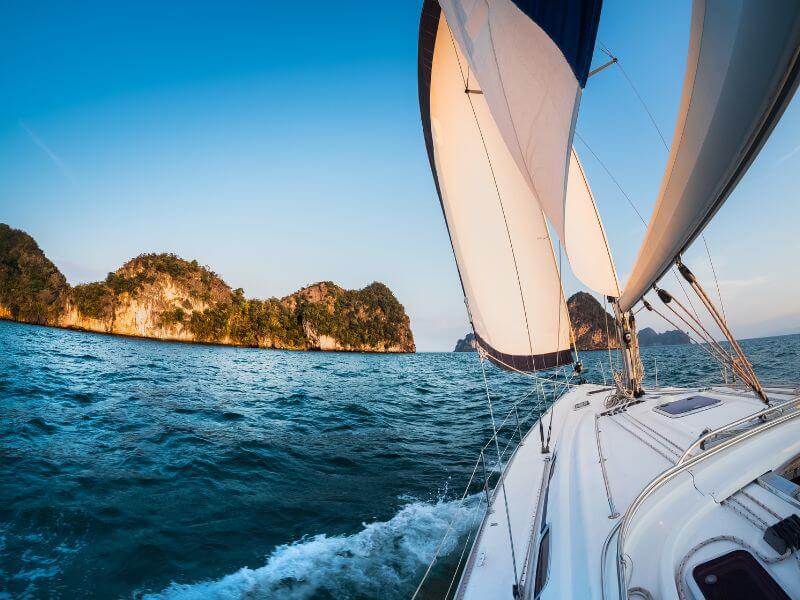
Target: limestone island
165	297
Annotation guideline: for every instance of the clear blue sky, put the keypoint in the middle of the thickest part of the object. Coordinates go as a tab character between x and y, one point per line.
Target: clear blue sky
281	145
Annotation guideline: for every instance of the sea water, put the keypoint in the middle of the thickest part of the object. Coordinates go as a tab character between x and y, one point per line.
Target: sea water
135	468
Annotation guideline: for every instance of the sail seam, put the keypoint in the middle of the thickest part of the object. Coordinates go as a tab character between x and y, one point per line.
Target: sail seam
561	299
499	198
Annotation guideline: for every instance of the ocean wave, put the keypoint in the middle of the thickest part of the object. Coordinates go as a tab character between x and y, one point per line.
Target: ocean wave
383	560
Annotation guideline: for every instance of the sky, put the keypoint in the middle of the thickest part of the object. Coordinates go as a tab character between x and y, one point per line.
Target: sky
282	146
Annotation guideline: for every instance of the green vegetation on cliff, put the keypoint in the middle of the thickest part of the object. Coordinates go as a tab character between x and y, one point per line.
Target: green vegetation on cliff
94	300
356	317
167	297
32	289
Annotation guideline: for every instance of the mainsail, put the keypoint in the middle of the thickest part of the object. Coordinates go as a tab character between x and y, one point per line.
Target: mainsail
741	73
492	201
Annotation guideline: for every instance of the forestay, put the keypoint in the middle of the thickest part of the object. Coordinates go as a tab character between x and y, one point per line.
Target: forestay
741	73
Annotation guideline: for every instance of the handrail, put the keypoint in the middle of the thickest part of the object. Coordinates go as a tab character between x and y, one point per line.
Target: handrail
532	557
612	511
670	474
542	408
603	554
759	415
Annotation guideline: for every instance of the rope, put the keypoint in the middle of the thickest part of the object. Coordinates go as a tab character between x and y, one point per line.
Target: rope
745	512
611	175
458	565
681	585
761	504
669	459
537	409
714	272
644	106
640	591
735	367
666	146
446	534
705	346
633	206
502	483
644	426
755	384
499	196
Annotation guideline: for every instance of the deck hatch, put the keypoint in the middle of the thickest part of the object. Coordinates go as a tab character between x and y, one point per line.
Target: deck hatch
736	576
686	406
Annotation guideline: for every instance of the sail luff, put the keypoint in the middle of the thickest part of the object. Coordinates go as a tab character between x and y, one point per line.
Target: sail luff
741	73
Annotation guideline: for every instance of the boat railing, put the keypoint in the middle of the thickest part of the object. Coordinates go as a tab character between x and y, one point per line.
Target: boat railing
490	464
734	427
686	462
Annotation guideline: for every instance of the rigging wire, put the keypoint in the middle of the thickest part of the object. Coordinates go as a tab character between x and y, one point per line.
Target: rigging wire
663	139
716	281
636	210
502	481
497	189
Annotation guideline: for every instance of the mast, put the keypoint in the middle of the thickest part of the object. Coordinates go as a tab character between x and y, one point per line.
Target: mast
632	371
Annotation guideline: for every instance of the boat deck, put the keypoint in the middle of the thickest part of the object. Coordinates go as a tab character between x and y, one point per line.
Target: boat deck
567	507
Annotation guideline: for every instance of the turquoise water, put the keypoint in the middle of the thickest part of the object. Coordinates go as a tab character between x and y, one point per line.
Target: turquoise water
133	468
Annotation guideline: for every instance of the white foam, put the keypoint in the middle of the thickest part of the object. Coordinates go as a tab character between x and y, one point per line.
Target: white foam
383	560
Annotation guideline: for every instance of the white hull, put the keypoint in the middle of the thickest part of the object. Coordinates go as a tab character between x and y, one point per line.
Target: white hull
580	504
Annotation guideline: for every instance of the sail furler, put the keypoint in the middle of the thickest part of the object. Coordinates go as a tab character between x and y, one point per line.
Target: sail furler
741	73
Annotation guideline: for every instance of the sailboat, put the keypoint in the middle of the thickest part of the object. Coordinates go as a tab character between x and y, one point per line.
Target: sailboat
620	490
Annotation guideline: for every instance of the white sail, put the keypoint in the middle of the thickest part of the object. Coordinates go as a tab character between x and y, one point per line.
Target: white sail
532	59
497	229
584	238
740	75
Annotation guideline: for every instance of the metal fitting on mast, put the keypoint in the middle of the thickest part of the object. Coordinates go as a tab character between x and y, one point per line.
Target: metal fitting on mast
629	347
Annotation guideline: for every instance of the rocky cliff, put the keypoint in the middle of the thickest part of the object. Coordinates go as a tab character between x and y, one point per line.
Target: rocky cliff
165	297
466	344
590	324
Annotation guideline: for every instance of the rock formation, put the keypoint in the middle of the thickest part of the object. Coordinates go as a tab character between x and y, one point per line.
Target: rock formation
648	337
165	297
466	344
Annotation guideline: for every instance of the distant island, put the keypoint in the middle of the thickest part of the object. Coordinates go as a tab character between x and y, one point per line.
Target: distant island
466	344
165	297
648	337
589	322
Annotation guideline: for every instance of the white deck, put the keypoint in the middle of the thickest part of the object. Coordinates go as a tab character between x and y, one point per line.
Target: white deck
638	444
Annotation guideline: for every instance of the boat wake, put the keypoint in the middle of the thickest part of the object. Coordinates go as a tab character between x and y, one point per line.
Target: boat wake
383	560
